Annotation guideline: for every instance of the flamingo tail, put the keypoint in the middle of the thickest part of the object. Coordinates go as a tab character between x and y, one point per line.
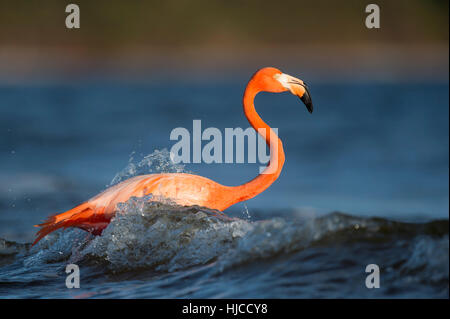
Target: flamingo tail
83	216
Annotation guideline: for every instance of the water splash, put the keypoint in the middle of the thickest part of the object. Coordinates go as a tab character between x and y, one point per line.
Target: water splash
246	212
165	237
157	162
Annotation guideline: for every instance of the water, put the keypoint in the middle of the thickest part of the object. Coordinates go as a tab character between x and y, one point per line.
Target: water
369	150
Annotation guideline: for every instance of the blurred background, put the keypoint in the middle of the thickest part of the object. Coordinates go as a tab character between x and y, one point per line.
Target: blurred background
138	38
74	104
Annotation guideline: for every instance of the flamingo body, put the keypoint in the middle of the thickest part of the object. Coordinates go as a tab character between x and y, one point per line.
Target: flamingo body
184	189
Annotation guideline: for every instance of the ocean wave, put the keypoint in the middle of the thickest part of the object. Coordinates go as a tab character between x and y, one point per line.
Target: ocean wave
428	261
165	237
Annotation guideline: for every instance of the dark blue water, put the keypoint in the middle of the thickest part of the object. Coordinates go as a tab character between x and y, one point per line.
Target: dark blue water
367	150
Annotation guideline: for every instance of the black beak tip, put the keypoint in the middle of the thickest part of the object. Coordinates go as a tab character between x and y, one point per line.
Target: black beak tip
310	107
306	99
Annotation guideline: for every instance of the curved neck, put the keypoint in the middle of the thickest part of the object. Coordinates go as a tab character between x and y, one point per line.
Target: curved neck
275	165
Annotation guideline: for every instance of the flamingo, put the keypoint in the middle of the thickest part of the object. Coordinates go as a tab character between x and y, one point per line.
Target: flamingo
184	189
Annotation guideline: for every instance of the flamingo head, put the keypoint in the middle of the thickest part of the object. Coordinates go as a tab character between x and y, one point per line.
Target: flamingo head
273	80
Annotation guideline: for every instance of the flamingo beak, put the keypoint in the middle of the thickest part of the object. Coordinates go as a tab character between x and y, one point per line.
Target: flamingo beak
298	88
306	98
